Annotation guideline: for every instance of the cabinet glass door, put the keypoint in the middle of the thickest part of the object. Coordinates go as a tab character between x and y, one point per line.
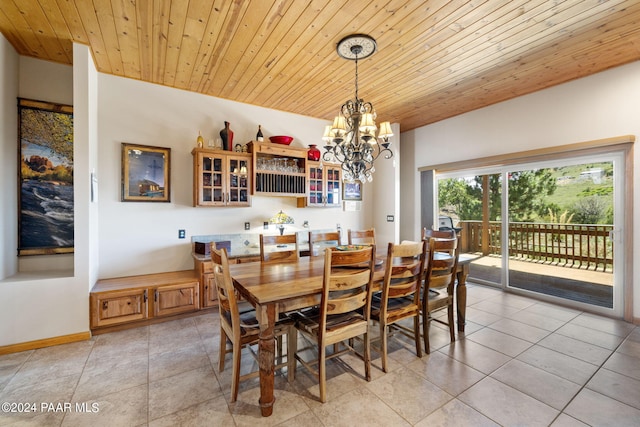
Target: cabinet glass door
315	185
217	195
238	181
333	186
207	179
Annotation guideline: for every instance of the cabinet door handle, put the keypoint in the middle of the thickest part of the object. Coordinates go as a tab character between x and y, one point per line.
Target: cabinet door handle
105	305
155	296
145	295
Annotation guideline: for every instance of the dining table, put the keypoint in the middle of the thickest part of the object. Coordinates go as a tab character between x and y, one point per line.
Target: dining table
283	287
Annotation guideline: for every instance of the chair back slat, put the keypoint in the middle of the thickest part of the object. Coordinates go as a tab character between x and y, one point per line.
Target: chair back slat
269	252
361	237
316	237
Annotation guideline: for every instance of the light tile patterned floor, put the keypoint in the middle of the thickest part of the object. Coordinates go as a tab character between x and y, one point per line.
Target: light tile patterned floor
521	362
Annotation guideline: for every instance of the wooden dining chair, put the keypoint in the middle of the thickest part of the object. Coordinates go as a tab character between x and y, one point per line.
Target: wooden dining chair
271	248
343	312
362	237
315	237
241	329
428	233
439	285
399	298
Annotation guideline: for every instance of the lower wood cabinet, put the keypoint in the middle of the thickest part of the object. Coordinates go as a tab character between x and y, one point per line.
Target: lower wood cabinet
109	308
174	299
136	299
204	269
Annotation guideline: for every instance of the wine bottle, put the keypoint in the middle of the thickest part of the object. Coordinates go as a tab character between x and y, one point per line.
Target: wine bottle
259	136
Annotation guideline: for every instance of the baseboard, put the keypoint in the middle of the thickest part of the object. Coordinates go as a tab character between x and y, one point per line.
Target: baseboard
47	342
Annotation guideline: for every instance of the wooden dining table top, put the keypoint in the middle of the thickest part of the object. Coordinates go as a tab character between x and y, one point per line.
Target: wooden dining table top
262	283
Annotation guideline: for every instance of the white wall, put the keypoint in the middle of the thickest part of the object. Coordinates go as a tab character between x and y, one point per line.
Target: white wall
385	197
40	305
139	237
46	79
85	113
600	106
8	149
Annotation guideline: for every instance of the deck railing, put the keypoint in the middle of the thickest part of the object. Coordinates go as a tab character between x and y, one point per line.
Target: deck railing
585	246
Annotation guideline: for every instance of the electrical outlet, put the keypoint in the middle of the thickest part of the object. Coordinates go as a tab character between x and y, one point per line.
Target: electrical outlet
390	218
338	226
247	226
265	225
181	234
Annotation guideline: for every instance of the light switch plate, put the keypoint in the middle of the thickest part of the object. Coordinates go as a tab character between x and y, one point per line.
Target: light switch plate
390	218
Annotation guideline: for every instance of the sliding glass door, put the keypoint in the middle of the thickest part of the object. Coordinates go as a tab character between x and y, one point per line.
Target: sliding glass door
551	228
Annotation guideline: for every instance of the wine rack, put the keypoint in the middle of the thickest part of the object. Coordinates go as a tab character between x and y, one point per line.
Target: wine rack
279	170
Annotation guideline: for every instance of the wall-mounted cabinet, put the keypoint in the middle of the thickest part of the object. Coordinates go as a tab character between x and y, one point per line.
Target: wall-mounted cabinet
279	170
221	178
324	187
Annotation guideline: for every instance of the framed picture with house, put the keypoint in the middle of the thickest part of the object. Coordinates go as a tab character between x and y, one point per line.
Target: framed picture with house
352	190
145	173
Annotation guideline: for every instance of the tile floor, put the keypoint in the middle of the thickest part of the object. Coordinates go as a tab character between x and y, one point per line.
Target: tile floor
521	362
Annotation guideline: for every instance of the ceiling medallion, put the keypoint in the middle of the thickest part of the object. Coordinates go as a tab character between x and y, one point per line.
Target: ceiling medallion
357	46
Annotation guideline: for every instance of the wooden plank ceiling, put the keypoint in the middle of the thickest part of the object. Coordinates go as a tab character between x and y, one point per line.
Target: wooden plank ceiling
435	58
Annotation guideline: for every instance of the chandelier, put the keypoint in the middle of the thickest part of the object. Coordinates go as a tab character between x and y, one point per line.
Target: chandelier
351	139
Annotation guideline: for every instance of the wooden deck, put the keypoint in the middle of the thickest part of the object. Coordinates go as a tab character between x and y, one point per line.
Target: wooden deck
591	287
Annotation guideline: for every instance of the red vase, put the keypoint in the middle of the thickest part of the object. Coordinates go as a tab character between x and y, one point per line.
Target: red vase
227	137
313	153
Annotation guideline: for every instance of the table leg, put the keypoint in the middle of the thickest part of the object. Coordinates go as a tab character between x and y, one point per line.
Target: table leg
461	296
266	356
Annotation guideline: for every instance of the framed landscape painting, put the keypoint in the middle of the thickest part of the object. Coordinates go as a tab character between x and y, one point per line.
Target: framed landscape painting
352	190
45	193
145	173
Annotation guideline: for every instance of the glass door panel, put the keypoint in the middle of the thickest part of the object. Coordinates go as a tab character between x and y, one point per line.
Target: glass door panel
217	189
565	223
315	185
472	204
238	181
560	219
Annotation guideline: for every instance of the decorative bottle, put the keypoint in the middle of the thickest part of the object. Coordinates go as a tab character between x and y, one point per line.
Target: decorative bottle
200	140
313	153
259	135
227	137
